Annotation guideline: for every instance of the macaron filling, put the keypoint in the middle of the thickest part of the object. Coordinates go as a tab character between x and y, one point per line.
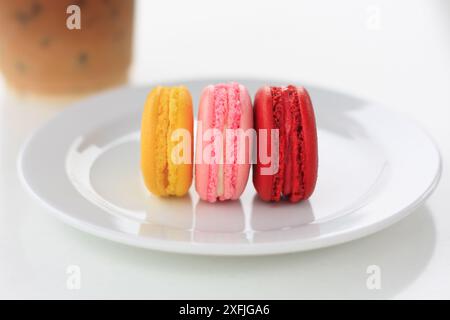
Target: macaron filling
166	169
171	167
278	120
230	171
288	181
161	146
217	122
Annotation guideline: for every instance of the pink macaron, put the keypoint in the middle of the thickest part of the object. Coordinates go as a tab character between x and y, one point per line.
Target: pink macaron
224	142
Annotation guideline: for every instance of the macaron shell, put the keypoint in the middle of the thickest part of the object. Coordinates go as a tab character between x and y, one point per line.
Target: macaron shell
291	177
280	114
263	120
293	174
310	148
149	141
184	120
233	121
246	123
204	123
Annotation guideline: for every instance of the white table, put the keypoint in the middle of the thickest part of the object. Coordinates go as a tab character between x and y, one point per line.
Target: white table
402	60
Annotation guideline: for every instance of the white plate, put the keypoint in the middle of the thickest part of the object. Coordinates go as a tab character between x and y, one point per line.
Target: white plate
374	168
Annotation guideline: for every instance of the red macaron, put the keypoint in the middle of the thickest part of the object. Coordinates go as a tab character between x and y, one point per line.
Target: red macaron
284	121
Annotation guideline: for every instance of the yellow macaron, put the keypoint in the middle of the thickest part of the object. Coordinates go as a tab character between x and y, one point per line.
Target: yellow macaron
166	141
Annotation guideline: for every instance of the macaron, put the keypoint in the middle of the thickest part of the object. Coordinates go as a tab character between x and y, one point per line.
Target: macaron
166	141
224	142
287	136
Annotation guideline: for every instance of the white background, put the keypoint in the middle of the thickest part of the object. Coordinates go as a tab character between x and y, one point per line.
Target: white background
403	61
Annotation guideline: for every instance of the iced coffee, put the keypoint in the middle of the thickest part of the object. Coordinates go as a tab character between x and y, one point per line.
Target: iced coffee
60	47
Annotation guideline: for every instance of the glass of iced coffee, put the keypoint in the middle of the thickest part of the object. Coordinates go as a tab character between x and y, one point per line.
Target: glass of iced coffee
65	47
